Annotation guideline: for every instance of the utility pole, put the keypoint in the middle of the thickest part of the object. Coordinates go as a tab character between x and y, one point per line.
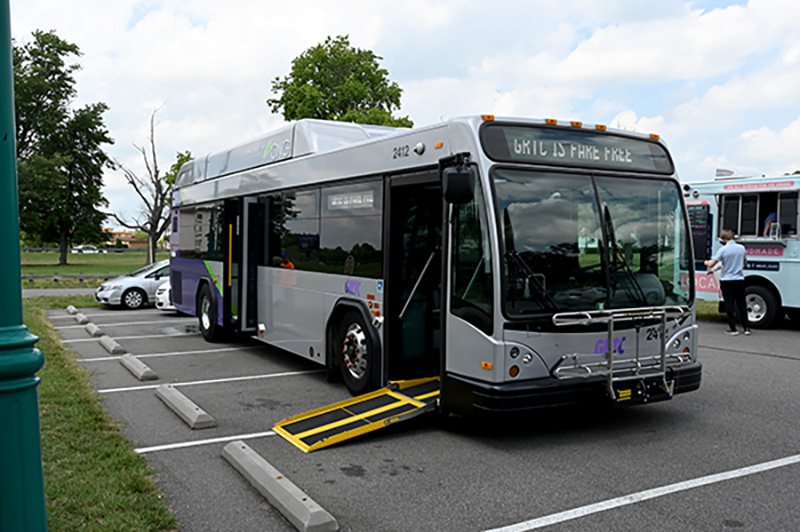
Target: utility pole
22	502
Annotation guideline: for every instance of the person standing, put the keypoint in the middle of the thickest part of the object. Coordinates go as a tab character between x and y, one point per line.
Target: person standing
733	257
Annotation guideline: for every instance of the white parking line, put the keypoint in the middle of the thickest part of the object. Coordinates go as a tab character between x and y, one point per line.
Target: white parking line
212	381
106	314
646	495
183	445
121	324
171	354
131	337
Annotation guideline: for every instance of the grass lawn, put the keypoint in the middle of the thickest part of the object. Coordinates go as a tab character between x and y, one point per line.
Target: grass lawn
708	310
105	264
46	263
93	479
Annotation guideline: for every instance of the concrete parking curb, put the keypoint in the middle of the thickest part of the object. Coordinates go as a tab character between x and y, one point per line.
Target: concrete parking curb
71	309
111	345
93	329
300	509
81	318
193	415
139	369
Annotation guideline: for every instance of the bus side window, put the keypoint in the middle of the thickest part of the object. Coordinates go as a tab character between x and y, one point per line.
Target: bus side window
300	230
269	241
351	229
201	231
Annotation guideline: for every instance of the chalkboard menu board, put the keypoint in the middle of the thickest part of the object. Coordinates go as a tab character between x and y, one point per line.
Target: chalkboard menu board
700	223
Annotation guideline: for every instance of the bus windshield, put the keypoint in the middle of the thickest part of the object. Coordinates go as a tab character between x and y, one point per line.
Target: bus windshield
578	242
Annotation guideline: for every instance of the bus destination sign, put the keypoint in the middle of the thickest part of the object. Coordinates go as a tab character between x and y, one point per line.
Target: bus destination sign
573	147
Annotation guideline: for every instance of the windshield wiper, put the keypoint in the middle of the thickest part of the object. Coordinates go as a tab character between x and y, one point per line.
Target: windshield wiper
616	256
519	262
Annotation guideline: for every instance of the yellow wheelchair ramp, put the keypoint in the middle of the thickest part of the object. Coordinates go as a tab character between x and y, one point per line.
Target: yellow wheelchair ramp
341	421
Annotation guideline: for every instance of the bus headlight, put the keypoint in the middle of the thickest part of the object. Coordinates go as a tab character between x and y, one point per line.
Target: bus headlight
514	353
527	358
676	343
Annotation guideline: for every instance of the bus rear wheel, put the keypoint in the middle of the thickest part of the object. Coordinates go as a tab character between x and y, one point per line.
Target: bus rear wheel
354	353
763	309
207	315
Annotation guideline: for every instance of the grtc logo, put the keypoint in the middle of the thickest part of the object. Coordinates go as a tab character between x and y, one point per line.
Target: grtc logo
602	346
353	288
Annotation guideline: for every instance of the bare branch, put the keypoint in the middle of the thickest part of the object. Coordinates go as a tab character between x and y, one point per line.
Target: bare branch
151	188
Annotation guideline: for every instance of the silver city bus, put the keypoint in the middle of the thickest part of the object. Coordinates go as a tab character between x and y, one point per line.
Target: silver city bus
524	263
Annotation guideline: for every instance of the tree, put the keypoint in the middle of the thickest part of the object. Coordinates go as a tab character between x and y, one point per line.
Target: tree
60	155
154	190
335	81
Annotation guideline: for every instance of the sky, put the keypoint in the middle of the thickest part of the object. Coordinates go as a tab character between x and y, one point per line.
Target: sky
718	80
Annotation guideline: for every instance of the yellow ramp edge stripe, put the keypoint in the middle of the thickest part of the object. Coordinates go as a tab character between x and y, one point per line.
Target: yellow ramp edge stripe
409	406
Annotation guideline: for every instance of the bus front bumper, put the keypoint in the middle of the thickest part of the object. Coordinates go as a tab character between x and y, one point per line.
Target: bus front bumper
463	395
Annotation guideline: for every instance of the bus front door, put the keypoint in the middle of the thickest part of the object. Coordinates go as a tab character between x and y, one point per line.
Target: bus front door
242	235
413	288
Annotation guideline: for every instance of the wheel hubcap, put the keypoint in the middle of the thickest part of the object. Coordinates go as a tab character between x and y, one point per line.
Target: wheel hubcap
133	299
756	308
355	352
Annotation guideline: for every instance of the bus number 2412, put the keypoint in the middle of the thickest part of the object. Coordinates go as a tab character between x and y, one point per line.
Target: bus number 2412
400	151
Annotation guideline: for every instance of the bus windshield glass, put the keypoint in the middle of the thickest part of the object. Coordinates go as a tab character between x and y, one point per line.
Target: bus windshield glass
582	243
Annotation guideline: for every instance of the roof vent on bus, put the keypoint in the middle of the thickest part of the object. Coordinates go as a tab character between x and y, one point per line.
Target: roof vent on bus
723	173
734	172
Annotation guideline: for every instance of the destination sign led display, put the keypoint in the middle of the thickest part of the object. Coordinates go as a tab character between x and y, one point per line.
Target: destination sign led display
574	147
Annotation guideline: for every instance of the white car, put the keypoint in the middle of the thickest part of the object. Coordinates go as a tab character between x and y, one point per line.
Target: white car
136	289
164	297
87	248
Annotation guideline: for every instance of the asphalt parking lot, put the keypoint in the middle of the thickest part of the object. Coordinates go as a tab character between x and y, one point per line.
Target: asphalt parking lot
724	457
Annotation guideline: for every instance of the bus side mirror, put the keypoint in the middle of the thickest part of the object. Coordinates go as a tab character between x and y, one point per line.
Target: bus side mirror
458	184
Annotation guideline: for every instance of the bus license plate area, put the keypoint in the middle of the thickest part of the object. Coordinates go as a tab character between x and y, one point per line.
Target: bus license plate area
634	392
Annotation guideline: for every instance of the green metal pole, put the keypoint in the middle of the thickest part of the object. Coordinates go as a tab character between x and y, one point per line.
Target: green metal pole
22	503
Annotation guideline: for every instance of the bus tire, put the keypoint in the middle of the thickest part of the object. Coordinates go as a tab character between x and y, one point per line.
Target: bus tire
207	315
133	299
354	353
763	308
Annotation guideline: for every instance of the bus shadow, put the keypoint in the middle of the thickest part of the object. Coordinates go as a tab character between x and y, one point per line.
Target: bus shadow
568	423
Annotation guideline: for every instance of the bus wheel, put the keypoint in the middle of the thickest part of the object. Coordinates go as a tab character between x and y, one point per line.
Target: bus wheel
133	299
354	353
762	306
207	316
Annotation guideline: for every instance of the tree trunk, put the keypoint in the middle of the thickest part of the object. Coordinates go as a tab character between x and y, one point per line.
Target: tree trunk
62	249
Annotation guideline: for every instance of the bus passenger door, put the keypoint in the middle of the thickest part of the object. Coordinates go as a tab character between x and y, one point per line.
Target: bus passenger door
413	274
243	226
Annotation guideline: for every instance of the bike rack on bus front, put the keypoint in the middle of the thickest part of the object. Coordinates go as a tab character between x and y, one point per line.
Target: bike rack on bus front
617	369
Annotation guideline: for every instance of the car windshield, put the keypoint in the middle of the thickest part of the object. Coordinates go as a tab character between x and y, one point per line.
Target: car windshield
147	269
578	242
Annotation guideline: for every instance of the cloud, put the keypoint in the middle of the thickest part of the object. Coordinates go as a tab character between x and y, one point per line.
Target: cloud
770	148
